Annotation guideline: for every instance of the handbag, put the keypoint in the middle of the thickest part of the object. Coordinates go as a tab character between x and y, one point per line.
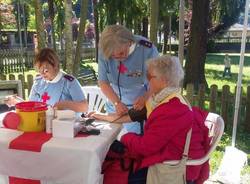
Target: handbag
117	165
166	173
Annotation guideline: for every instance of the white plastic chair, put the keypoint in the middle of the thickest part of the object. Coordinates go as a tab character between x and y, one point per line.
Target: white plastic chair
95	98
215	124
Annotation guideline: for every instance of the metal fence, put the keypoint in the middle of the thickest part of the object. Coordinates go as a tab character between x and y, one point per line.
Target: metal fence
17	60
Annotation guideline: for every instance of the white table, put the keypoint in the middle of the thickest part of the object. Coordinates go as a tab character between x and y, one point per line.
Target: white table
61	160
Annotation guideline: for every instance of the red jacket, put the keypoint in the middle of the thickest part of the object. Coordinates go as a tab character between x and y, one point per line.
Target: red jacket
165	134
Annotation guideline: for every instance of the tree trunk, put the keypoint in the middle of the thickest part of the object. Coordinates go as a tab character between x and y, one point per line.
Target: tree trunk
145	27
198	44
24	25
0	29
96	15
69	47
111	12
121	16
129	20
138	26
19	25
61	50
39	24
52	16
181	31
154	12
101	21
165	33
84	9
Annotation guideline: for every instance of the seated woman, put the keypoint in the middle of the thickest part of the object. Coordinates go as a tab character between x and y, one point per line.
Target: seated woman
54	87
169	118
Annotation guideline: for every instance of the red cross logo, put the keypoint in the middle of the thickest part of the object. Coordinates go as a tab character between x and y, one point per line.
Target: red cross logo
45	97
122	68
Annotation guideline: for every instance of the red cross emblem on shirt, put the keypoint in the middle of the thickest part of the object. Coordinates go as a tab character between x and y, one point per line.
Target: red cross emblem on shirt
122	68
45	97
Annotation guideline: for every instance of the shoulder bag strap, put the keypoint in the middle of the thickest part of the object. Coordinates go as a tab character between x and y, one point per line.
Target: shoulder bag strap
187	144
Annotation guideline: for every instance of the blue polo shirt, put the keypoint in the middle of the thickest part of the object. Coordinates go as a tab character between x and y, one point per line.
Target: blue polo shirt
65	88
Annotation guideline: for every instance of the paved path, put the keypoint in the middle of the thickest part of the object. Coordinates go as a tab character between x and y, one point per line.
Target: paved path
245	179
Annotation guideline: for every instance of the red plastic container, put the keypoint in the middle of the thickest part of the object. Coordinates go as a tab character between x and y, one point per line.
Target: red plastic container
31	106
33	116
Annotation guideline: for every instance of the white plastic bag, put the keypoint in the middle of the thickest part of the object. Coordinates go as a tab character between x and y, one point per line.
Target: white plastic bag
231	165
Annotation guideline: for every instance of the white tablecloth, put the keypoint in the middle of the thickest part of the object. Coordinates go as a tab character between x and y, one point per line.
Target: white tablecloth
61	160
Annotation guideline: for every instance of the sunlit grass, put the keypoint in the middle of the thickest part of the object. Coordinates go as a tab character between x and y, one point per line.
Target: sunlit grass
214	68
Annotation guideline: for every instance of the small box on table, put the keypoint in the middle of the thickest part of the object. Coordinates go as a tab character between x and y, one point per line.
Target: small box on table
65	128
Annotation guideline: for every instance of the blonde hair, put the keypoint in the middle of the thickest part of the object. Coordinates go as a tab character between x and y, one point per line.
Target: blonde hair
167	67
112	37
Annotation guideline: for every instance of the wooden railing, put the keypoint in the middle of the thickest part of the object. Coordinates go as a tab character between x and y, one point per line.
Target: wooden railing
216	100
222	102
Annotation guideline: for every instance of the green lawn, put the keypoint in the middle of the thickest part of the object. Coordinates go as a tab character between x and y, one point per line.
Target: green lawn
214	68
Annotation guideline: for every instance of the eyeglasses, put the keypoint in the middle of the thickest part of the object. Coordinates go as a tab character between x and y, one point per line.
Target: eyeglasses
43	70
121	52
149	76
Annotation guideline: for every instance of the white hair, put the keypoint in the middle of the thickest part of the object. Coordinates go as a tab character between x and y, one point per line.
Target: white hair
112	37
167	67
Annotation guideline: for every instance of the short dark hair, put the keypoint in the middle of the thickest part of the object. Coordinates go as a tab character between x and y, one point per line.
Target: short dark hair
47	55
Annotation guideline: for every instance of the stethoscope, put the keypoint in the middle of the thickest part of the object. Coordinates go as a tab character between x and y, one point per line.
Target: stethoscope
118	81
131	50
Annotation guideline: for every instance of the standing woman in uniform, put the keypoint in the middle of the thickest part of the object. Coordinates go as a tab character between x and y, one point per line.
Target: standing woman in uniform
122	70
53	86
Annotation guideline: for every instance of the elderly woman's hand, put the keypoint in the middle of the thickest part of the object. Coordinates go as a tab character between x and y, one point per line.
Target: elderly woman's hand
139	103
103	117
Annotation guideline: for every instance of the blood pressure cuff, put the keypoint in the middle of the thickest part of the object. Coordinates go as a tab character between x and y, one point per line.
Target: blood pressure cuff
138	115
5	108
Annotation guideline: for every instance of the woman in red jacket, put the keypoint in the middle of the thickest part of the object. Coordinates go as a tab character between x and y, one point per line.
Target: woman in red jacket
169	118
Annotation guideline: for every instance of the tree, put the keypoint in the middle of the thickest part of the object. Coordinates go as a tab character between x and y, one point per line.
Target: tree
52	16
224	13
96	19
7	17
84	9
39	24
168	10
68	36
113	11
60	19
209	19
197	47
154	10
